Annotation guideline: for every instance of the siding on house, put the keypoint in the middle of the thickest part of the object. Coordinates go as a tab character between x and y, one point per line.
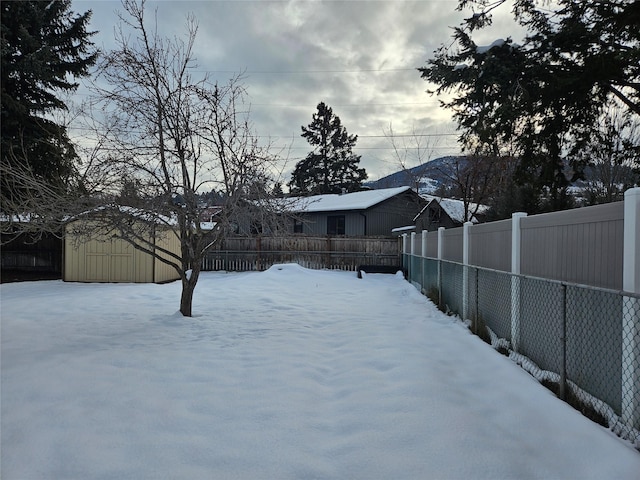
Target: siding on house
317	223
447	213
433	217
376	220
398	211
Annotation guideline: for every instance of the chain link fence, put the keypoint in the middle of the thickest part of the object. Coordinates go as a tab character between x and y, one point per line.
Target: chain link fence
581	342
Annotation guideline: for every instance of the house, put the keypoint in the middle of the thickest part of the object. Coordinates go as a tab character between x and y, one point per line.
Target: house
104	258
365	213
446	212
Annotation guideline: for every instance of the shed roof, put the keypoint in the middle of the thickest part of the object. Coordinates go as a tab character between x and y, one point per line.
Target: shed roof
348	201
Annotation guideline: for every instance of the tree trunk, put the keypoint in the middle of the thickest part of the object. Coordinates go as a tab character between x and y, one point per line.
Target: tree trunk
186	298
188	287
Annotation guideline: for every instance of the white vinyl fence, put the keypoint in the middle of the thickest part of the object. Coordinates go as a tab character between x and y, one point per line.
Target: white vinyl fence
559	293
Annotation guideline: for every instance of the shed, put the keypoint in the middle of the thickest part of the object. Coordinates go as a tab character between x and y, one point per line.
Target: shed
366	213
104	258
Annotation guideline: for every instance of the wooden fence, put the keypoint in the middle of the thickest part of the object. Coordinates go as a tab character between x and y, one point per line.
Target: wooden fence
26	258
336	253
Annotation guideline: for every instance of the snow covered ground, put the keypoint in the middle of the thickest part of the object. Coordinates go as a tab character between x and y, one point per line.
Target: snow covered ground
285	374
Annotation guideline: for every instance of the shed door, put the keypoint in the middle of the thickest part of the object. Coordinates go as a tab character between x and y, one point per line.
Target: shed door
109	261
121	262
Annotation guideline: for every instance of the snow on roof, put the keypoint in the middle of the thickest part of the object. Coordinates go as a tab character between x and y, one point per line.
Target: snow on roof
135	212
208	226
485	48
20	218
454	208
348	201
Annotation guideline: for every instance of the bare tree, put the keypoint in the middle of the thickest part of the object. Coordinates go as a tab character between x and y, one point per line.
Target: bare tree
162	137
612	157
474	179
469	178
411	152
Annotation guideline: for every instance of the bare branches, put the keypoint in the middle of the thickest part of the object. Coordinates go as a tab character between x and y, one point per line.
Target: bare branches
166	136
33	204
612	157
412	152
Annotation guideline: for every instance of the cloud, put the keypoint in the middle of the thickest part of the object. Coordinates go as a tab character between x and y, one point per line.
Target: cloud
359	57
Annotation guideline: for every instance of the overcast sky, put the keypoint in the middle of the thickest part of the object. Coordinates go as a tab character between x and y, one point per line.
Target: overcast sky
359	57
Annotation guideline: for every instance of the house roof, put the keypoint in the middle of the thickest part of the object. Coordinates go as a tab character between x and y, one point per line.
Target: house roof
349	201
453	208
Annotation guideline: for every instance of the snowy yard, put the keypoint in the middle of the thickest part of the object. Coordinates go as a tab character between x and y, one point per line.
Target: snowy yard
285	374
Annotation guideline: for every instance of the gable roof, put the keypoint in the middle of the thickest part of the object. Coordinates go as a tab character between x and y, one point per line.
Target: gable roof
453	208
334	202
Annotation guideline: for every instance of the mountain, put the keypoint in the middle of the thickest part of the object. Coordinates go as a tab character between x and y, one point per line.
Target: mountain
434	178
428	177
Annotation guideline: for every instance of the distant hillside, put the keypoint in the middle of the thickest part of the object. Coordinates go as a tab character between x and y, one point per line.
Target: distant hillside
429	176
435	174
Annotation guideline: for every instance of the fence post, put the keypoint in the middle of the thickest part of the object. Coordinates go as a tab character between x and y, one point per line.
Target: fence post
424	243
562	393
477	293
440	254
423	261
465	269
414	272
405	262
515	278
631	310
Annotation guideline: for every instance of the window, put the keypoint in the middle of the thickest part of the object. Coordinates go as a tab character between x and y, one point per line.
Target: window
297	226
335	225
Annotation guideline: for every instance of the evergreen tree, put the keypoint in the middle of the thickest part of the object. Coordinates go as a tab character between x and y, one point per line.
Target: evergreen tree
331	166
540	100
44	48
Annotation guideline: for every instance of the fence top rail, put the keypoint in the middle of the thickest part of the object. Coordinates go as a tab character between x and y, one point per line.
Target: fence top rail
302	236
596	213
453	232
301	252
531	277
491	227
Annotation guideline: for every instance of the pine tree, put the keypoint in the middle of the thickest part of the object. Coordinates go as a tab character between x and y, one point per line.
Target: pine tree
331	166
541	100
44	48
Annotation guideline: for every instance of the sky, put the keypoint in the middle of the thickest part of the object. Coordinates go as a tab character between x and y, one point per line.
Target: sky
284	374
359	57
